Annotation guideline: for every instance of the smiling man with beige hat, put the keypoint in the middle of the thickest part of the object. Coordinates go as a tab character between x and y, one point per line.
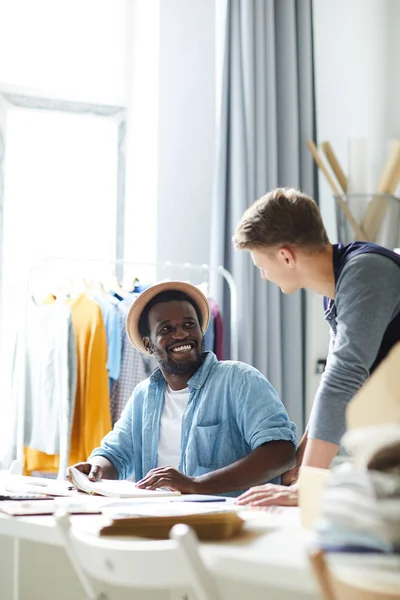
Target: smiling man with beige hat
196	425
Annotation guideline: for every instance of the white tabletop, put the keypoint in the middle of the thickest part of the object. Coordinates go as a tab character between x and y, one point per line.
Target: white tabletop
272	549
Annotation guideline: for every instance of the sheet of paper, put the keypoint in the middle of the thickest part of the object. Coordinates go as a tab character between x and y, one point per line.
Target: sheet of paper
37	485
46	507
114	488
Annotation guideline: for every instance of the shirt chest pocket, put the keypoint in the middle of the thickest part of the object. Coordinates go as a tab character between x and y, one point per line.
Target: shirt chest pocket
213	445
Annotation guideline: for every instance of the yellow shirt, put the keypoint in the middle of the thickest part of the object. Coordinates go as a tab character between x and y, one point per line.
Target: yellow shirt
92	419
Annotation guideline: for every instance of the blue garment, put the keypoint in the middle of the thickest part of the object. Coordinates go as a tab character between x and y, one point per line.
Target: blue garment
140	287
209	334
113	332
331	534
232	410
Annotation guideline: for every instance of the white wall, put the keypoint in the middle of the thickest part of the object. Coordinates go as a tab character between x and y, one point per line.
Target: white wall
350	71
392	113
357	95
186	129
142	101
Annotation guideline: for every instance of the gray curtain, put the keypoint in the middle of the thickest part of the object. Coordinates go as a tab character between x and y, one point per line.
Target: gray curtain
267	115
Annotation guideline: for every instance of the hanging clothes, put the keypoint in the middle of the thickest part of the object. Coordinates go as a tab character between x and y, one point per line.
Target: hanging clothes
44	377
113	332
209	334
218	329
135	367
92	419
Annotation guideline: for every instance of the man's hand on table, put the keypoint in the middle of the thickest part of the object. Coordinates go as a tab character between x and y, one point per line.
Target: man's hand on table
270	495
167	477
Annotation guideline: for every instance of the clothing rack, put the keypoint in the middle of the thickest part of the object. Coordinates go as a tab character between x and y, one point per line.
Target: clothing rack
118	265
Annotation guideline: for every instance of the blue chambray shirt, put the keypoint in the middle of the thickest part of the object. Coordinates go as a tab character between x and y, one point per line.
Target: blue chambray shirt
232	409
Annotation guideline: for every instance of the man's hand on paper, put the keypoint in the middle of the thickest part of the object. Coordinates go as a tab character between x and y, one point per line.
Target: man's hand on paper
99	467
94	472
270	495
167	477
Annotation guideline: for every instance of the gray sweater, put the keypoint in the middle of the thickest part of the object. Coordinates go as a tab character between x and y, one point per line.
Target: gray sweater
367	298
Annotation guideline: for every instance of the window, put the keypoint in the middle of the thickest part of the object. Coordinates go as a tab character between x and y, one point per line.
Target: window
62	121
74	77
74	49
60	200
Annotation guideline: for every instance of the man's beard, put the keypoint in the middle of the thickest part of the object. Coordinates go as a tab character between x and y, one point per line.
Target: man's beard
168	365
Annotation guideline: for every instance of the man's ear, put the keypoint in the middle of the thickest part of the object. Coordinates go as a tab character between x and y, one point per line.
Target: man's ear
288	256
147	345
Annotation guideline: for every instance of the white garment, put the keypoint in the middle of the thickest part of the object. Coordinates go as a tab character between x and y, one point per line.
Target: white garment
44	378
169	444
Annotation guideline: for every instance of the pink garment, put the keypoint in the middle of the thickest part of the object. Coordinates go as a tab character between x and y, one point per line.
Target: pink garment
218	329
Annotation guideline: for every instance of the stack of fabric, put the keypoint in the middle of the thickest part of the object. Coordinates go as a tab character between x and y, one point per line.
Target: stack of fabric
361	504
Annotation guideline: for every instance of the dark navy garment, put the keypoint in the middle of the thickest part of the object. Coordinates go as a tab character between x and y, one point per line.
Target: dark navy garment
341	255
365	324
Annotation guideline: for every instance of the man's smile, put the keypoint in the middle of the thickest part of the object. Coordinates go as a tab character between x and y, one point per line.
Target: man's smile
181	347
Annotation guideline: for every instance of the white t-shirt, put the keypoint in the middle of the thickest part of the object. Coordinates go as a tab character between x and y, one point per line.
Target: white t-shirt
169	445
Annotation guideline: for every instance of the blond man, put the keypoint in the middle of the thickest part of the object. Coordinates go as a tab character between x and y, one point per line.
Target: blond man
360	283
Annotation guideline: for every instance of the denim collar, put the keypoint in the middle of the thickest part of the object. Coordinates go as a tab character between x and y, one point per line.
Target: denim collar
198	379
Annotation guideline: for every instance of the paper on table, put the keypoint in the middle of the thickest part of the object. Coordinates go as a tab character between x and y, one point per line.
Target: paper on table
114	488
20	484
47	507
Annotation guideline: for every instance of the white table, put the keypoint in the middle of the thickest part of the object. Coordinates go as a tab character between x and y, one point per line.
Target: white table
269	558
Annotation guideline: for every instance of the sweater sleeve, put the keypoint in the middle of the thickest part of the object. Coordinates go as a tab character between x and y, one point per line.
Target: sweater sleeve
367	299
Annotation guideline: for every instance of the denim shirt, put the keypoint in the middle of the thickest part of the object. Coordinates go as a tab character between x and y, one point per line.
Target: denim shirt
232	409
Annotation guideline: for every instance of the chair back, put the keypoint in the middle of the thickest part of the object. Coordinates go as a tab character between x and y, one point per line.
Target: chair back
173	564
334	588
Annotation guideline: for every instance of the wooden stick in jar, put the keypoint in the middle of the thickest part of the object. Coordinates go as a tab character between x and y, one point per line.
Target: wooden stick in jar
358	230
388	181
334	165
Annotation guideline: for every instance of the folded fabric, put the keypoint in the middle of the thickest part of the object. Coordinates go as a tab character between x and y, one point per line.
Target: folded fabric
386	459
361	507
333	536
366	442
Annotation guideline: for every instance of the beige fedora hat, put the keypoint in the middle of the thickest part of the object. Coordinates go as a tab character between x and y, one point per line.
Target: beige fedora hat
133	316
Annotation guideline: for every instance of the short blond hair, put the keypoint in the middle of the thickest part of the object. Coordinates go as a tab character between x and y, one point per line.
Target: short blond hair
283	217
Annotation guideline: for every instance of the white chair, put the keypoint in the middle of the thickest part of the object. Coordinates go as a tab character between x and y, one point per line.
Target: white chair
173	564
